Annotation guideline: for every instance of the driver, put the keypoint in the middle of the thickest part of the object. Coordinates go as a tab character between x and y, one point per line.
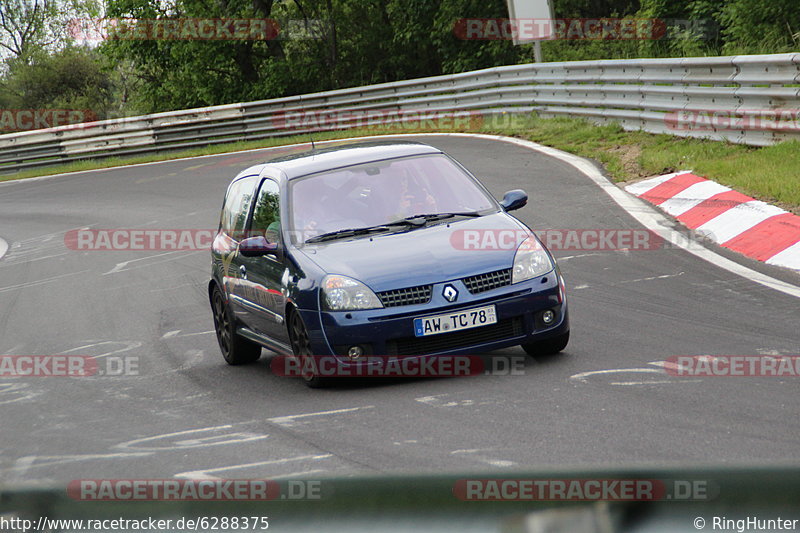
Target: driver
415	199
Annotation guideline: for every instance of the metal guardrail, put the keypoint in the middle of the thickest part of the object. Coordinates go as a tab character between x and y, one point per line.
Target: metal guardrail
752	100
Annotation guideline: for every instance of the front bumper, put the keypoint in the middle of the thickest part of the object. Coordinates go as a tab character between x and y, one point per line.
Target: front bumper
390	331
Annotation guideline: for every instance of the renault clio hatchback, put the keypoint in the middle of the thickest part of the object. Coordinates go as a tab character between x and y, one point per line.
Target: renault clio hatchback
378	249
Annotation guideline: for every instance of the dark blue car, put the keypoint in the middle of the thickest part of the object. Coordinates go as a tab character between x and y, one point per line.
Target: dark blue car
388	249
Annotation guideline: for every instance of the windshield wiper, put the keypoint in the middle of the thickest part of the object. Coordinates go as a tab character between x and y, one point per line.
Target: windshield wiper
351	232
410	222
441	216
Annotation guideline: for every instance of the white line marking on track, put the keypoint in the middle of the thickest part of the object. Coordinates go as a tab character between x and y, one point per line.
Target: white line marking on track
436	401
298	474
41	281
23	464
651	278
429	399
289	420
18	258
568	257
205	474
664	364
128	346
471	450
581	376
14	350
26	396
209	332
169	334
214	440
121	267
499	462
16	388
655	382
3	248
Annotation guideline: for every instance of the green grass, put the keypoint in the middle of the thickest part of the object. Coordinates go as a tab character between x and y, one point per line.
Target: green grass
771	174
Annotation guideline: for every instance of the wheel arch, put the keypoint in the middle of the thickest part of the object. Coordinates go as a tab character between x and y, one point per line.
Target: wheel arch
211	286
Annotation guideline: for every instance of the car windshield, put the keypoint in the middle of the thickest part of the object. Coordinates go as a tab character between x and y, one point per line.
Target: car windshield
383	192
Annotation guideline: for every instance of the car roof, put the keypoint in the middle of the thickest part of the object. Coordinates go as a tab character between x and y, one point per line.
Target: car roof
304	161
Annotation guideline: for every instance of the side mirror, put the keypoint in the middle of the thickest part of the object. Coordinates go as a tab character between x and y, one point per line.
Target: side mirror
514	199
257	246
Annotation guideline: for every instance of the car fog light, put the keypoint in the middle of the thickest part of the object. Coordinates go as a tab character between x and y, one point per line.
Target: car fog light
354	352
548	317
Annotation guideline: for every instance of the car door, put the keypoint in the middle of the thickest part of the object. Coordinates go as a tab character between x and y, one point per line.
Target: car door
234	218
264	275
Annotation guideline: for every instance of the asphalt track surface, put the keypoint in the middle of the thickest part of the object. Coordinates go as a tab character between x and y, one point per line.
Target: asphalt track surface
188	414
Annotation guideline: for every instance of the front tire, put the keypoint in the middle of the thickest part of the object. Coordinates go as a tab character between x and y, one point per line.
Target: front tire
301	347
547	346
235	349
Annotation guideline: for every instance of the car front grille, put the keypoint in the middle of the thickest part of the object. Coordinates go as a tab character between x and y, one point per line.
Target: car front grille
486	282
407	296
503	329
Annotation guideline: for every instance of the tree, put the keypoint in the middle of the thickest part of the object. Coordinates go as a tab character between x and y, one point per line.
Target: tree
182	73
70	79
457	54
30	25
760	26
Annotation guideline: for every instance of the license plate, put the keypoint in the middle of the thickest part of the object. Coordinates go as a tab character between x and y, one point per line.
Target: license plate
456	321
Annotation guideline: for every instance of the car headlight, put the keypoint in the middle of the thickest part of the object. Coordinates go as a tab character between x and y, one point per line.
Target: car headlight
530	261
347	294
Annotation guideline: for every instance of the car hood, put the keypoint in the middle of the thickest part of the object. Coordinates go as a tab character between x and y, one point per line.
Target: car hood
431	254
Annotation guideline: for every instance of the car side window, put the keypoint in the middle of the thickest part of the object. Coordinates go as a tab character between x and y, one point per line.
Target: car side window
267	217
237	206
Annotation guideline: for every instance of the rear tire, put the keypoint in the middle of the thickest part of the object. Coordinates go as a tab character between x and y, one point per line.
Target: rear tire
235	349
301	347
547	346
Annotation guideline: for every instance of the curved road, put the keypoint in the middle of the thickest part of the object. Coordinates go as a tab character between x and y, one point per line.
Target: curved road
185	413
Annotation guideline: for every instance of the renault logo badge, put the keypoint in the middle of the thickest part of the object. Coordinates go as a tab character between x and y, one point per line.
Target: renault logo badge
450	293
